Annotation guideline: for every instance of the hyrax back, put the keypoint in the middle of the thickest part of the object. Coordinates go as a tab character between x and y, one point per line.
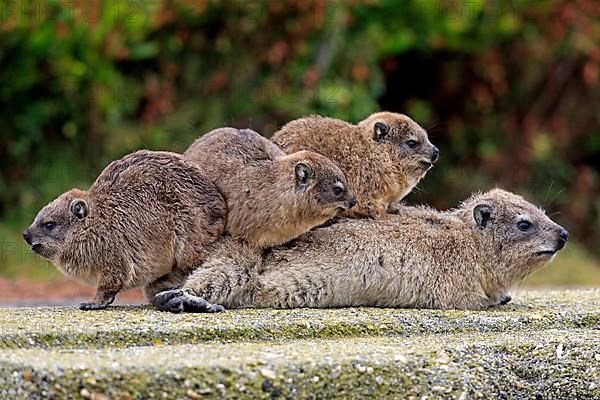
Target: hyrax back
420	258
146	216
383	157
271	197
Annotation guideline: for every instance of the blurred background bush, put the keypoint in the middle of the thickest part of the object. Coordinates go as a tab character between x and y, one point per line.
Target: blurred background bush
509	90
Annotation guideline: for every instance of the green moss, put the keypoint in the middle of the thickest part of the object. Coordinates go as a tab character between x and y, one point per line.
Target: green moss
514	365
126	326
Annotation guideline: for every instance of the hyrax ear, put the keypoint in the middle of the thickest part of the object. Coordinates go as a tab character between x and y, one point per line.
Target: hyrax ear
380	131
482	214
79	208
303	173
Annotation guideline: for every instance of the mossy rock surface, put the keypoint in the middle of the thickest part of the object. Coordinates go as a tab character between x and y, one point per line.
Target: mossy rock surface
123	326
543	344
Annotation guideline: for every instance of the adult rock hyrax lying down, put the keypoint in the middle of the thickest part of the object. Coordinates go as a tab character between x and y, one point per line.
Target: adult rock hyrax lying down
271	197
383	156
466	258
148	215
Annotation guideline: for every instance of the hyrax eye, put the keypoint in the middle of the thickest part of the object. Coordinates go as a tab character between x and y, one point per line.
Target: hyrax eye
49	225
412	143
523	225
337	190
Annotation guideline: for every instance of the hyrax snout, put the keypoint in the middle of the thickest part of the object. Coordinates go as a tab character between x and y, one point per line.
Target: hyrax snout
63	213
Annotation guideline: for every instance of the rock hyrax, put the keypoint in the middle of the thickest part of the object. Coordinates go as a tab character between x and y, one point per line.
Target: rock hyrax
271	197
383	157
466	258
146	216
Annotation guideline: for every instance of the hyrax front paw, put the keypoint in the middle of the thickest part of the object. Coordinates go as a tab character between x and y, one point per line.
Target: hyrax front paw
93	305
162	298
190	303
214	308
504	299
179	300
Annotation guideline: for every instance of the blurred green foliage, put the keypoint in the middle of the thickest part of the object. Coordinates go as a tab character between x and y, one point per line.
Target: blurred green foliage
509	90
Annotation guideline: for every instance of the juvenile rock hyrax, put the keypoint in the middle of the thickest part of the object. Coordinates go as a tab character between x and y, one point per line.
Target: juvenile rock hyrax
420	258
271	197
148	215
383	157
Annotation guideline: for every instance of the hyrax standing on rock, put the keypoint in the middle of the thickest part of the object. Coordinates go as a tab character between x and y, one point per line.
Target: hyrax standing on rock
383	157
420	258
148	215
271	197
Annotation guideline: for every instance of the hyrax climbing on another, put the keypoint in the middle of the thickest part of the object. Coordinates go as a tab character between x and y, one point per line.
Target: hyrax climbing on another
271	197
147	216
383	156
466	258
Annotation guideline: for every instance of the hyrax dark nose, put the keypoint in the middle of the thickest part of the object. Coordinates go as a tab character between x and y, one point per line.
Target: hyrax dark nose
435	155
352	202
564	235
27	236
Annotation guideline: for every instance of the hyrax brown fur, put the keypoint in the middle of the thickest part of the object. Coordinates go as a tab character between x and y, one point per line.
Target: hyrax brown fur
147	216
271	197
420	258
383	156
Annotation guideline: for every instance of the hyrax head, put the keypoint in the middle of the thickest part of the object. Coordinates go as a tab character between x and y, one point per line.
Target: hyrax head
406	142
520	235
55	222
321	185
